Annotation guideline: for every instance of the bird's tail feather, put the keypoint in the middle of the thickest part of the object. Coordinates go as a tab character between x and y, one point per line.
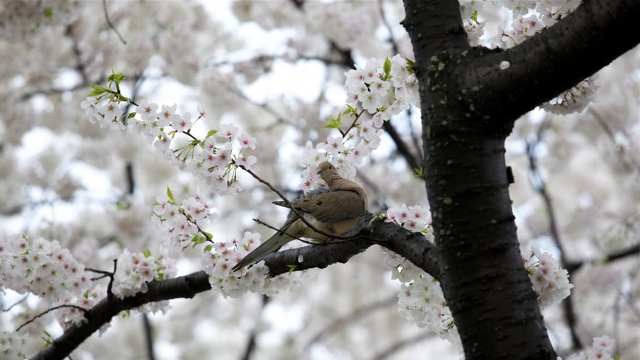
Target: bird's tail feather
271	245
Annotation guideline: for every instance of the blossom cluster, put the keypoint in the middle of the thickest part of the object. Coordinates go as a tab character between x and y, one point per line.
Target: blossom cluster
135	270
11	345
600	349
216	155
550	281
376	91
573	100
421	299
183	221
414	218
41	267
219	259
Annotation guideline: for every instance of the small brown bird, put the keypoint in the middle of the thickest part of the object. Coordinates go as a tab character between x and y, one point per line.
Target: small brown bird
334	211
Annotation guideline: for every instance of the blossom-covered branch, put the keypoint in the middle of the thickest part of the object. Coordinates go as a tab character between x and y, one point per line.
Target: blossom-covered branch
303	258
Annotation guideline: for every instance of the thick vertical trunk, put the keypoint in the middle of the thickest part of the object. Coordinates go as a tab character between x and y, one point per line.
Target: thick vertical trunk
483	275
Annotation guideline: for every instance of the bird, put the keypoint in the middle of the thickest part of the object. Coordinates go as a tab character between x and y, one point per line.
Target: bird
333	211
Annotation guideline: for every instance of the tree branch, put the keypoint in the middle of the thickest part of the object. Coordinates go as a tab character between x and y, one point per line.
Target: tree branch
357	314
401	146
110	24
148	337
632	250
540	186
403	344
250	348
552	61
412	246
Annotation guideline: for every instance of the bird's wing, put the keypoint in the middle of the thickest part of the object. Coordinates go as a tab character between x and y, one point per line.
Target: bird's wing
332	206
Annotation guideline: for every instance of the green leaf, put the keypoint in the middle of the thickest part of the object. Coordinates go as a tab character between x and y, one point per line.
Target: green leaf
198	239
48	12
208	248
211	133
116	77
146	253
291	268
387	68
333	123
350	110
419	172
131	114
97	90
172	200
208	235
474	16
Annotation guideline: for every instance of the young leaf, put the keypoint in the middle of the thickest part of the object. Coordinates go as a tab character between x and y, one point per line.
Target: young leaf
387	69
211	133
350	110
172	200
208	248
474	16
146	253
116	77
333	123
131	114
198	239
97	90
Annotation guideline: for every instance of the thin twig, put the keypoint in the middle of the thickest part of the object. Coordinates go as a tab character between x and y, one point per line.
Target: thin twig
108	20
113	276
16	303
402	344
148	336
344	321
414	136
391	39
353	124
250	348
628	161
540	187
50	310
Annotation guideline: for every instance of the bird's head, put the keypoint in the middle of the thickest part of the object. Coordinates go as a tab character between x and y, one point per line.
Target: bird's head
327	171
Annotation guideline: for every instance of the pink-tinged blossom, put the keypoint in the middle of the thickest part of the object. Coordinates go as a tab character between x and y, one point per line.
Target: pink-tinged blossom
181	123
148	111
602	348
135	270
247	161
228	131
221	258
550	281
41	267
247	141
167	115
333	145
370	71
414	218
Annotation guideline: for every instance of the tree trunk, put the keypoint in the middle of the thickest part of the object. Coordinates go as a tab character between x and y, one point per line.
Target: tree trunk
483	277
